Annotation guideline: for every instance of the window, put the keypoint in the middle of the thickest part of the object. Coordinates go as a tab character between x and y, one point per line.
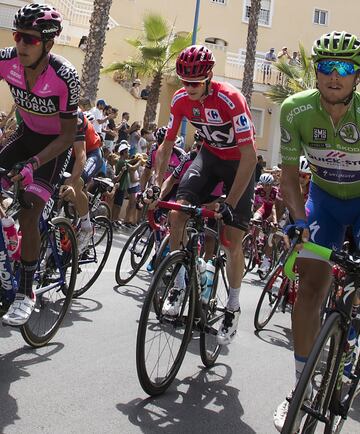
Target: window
320	17
219	2
7	14
265	12
258	120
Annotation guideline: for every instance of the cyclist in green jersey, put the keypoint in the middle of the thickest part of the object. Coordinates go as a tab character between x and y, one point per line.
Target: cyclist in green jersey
325	125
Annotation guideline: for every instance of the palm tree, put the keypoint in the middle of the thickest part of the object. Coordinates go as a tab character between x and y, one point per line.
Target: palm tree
157	48
247	85
94	49
296	78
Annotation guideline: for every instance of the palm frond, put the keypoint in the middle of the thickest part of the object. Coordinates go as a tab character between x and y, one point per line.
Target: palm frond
179	43
134	42
155	28
154	53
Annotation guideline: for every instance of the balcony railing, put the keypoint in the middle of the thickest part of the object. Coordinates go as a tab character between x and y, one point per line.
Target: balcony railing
264	72
78	12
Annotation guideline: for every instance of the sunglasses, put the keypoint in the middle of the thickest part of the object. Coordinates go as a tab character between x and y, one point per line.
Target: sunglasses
343	68
194	83
27	39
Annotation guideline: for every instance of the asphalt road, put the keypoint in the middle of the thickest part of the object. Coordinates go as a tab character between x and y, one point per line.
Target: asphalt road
85	380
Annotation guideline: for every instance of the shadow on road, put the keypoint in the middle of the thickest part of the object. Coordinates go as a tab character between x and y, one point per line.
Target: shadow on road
13	367
205	404
78	310
281	337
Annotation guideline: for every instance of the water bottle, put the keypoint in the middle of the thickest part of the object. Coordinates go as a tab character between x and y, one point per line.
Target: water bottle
10	234
210	271
202	273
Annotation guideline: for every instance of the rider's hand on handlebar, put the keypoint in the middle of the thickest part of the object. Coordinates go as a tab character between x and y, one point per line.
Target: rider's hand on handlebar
298	229
151	195
24	171
226	212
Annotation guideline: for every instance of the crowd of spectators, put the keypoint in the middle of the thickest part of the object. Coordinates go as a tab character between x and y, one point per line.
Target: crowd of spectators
282	56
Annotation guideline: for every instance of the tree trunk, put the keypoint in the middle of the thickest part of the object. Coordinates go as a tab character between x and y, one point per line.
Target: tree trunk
94	51
152	101
247	85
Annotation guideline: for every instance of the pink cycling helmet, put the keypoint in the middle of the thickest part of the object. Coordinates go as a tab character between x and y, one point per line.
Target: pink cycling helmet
42	18
194	62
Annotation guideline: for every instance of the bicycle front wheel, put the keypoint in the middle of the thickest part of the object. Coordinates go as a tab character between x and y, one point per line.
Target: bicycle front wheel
93	260
271	295
54	282
320	373
209	347
248	249
161	339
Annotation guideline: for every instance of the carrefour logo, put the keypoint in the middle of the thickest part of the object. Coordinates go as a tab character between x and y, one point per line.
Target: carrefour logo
241	123
213	116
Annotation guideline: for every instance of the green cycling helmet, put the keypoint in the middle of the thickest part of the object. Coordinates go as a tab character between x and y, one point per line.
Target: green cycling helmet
337	45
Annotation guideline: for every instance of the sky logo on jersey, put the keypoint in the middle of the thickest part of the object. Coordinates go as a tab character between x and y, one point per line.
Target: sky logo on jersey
241	123
213	116
349	133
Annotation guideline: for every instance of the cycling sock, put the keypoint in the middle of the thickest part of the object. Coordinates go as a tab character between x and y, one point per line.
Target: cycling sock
27	271
299	366
85	222
179	281
233	300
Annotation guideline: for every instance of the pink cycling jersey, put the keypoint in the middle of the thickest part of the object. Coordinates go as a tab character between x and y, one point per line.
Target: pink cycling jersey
55	94
263	204
176	156
223	119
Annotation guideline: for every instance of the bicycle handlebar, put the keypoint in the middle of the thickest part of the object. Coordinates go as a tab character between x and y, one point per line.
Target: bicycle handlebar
341	258
189	209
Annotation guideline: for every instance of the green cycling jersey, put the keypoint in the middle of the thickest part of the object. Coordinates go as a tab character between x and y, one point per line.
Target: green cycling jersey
333	151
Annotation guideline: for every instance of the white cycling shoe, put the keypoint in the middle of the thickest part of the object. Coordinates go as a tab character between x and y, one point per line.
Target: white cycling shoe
228	327
20	310
173	302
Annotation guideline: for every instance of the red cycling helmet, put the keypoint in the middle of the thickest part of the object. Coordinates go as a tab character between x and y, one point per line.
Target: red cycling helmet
194	62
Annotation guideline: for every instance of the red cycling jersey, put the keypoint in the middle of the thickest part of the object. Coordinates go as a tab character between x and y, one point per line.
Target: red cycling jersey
55	94
223	120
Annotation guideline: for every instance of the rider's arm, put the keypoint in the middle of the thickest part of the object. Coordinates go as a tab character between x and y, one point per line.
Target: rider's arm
62	142
243	174
162	161
167	185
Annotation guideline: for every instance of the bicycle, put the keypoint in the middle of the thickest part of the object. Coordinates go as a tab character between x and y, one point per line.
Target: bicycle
279	293
162	340
55	276
332	397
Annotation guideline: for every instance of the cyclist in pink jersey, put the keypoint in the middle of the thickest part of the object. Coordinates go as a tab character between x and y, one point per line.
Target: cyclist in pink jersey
45	89
221	115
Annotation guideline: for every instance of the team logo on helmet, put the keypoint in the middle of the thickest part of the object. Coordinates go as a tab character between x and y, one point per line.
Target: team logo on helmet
349	133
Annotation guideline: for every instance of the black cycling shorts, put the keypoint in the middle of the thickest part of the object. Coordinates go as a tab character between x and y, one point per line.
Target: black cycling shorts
24	144
205	172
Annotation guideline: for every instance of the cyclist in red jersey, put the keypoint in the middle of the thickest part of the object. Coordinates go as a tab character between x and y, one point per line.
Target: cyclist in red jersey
46	89
221	115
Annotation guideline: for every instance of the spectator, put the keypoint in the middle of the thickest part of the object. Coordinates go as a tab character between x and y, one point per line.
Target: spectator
283	55
123	128
110	128
135	90
269	58
294	61
134	136
122	178
83	43
99	116
259	167
145	92
131	216
143	143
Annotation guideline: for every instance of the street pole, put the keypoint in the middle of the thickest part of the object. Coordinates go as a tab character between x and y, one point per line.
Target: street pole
193	42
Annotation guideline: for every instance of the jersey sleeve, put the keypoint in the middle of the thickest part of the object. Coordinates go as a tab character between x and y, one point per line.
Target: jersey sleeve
290	146
238	109
176	115
181	168
6	54
81	127
70	91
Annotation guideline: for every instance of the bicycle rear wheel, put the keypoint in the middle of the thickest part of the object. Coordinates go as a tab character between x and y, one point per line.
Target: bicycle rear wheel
58	257
162	340
215	311
273	292
248	249
135	252
320	371
93	260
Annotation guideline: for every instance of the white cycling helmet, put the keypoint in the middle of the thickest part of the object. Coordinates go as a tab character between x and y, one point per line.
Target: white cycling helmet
304	166
89	116
266	179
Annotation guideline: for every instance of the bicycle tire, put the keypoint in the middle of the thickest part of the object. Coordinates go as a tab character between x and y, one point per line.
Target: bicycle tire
150	322
94	250
130	246
36	332
247	246
269	296
215	311
161	251
331	333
